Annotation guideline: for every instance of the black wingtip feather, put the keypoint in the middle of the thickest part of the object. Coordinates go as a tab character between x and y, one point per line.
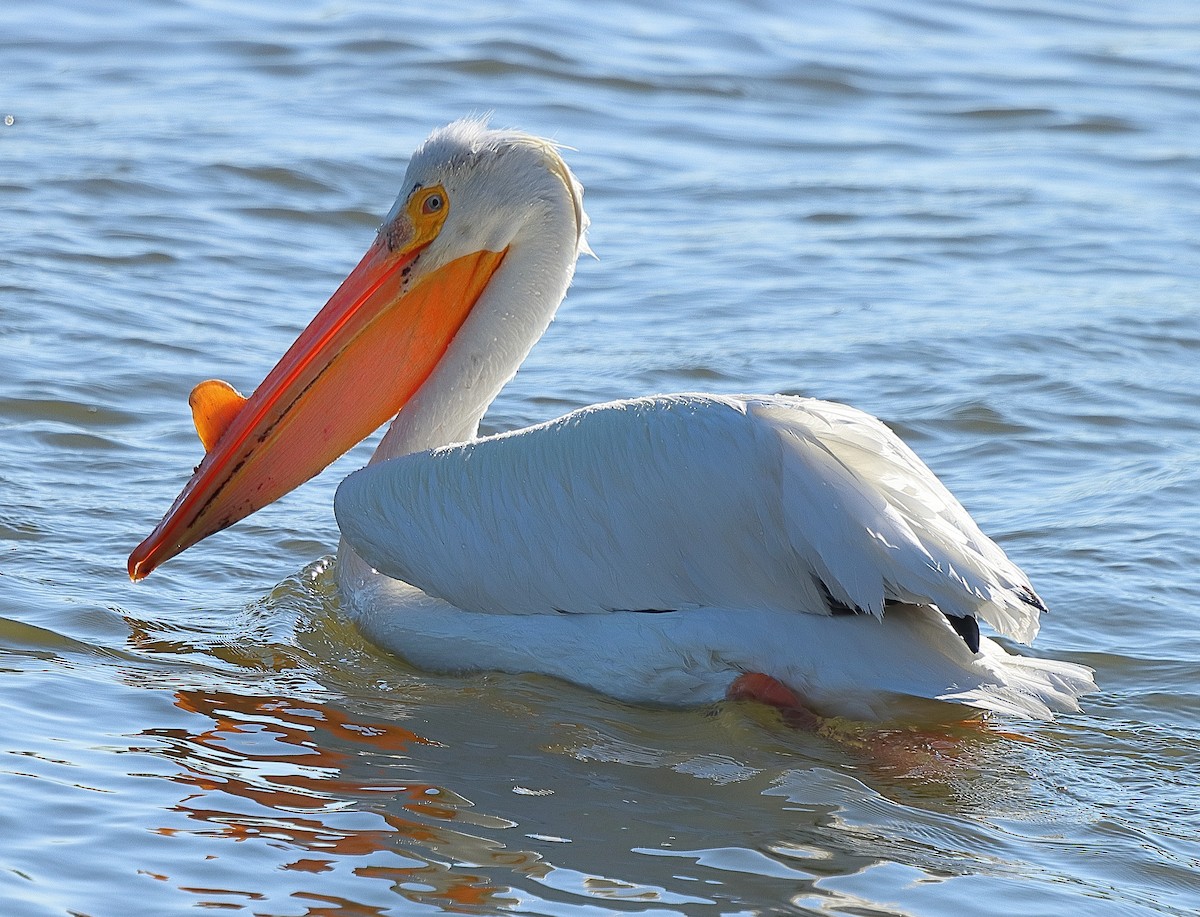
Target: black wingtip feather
1031	598
968	628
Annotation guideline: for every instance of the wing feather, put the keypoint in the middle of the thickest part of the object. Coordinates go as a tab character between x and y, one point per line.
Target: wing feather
682	501
927	548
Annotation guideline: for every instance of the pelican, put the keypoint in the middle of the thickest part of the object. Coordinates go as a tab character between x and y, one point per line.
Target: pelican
674	549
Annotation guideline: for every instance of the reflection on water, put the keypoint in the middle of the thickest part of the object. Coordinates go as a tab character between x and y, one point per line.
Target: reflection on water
295	772
333	787
330	778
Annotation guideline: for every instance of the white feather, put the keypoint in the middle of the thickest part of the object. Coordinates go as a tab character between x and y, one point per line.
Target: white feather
682	502
857	666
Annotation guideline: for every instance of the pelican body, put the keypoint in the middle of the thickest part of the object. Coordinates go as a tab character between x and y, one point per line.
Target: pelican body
674	549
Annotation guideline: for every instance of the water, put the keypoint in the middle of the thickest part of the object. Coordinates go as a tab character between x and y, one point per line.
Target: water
978	221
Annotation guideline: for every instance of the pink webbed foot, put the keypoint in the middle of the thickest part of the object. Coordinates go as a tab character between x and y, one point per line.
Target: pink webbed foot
767	690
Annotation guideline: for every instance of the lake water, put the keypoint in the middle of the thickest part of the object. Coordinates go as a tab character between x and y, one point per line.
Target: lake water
979	221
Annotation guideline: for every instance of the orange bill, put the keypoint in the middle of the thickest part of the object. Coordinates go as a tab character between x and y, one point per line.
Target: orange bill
365	354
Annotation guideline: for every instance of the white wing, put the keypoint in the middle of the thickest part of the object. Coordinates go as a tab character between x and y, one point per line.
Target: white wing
678	502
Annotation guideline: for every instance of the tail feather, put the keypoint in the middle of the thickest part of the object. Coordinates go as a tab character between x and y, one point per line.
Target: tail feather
1027	686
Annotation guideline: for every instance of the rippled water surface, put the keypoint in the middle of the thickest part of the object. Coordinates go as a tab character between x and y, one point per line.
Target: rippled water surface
980	221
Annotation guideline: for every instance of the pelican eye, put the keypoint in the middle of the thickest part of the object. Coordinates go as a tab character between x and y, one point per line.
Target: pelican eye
427	210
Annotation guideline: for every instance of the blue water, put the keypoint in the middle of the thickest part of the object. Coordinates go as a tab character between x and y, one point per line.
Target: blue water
979	221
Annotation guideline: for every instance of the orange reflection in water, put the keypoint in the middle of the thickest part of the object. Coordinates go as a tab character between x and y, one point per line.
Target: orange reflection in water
298	772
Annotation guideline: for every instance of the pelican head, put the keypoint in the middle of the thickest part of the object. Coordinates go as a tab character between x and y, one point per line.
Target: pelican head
465	273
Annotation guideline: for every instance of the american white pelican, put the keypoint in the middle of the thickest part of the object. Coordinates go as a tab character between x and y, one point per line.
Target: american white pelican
675	549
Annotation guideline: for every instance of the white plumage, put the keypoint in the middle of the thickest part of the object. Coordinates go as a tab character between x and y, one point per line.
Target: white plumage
742	522
742	516
850	665
683	502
